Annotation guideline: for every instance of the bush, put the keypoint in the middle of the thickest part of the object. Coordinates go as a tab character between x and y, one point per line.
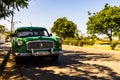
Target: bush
89	41
92	42
81	43
66	42
113	44
74	42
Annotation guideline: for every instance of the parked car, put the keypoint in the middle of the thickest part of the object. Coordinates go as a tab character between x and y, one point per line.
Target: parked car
35	41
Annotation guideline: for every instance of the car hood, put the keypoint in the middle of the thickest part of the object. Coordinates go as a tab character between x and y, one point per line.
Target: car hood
26	39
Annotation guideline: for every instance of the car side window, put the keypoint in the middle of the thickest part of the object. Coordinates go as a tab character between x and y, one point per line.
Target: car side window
41	33
45	33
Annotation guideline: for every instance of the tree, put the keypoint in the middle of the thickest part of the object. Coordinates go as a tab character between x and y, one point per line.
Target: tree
7	7
107	21
64	28
3	29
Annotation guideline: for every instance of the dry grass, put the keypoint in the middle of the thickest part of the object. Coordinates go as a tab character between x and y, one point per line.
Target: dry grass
103	47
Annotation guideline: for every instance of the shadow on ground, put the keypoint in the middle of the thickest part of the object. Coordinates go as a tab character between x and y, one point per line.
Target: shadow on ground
69	67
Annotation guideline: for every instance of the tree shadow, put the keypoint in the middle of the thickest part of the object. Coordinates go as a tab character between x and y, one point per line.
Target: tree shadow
69	67
5	57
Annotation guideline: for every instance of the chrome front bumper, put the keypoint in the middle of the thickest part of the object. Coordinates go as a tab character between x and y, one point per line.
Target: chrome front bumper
38	54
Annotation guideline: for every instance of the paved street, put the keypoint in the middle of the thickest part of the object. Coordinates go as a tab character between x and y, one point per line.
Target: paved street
79	64
4	55
4	48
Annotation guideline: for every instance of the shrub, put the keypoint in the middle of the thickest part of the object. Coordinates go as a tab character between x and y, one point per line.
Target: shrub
113	44
74	42
66	42
89	41
92	42
81	43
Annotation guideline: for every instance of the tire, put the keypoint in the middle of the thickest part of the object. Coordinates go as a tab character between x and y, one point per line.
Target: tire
55	58
12	51
18	60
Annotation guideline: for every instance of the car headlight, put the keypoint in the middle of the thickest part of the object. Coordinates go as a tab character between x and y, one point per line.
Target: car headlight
60	41
19	43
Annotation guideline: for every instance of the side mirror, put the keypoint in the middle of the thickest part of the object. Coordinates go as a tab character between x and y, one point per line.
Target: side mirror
50	34
12	35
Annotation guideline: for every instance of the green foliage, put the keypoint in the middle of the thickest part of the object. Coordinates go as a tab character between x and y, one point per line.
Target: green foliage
107	21
66	42
88	40
113	44
64	28
7	7
101	42
80	42
2	29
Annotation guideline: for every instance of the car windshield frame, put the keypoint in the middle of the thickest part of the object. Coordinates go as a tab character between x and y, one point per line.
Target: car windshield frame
31	33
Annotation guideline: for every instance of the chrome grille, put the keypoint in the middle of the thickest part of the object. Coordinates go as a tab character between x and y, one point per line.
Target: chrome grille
40	45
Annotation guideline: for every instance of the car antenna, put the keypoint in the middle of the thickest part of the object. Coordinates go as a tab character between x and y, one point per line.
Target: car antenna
30	24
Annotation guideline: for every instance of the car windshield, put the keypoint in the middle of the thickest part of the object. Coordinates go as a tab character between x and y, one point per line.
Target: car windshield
32	33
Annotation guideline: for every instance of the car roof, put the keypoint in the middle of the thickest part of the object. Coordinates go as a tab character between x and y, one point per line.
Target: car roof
29	28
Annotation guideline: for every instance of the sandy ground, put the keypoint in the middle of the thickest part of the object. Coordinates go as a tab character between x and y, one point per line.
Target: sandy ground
76	63
113	53
113	63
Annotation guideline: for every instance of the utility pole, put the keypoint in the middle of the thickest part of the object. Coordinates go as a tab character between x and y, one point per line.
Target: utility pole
11	24
12	19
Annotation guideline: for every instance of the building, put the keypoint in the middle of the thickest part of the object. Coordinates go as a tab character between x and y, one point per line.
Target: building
2	38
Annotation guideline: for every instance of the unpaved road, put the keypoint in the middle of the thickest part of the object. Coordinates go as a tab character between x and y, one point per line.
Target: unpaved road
83	64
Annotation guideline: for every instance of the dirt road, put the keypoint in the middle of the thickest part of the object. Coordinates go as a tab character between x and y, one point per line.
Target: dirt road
112	58
77	64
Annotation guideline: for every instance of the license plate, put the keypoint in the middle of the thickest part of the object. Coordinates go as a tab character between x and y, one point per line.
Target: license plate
42	53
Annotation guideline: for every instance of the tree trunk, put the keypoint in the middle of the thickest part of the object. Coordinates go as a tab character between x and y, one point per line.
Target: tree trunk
110	38
109	33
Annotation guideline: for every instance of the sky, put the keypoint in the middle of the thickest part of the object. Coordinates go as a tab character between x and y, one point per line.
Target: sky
43	13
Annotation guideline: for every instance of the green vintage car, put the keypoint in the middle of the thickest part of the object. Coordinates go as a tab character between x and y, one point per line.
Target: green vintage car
35	41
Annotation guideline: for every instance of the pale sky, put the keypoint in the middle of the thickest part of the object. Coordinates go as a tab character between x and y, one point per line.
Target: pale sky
43	13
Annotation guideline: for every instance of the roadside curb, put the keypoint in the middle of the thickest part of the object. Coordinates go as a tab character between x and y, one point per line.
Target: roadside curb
4	48
4	61
4	54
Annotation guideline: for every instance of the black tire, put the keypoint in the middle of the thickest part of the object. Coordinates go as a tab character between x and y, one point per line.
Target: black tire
12	51
18	60
55	58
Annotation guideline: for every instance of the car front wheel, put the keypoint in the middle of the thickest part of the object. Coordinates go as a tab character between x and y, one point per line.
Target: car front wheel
12	51
54	58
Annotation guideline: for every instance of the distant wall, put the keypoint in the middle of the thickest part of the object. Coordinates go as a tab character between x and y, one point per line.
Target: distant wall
115	38
2	38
